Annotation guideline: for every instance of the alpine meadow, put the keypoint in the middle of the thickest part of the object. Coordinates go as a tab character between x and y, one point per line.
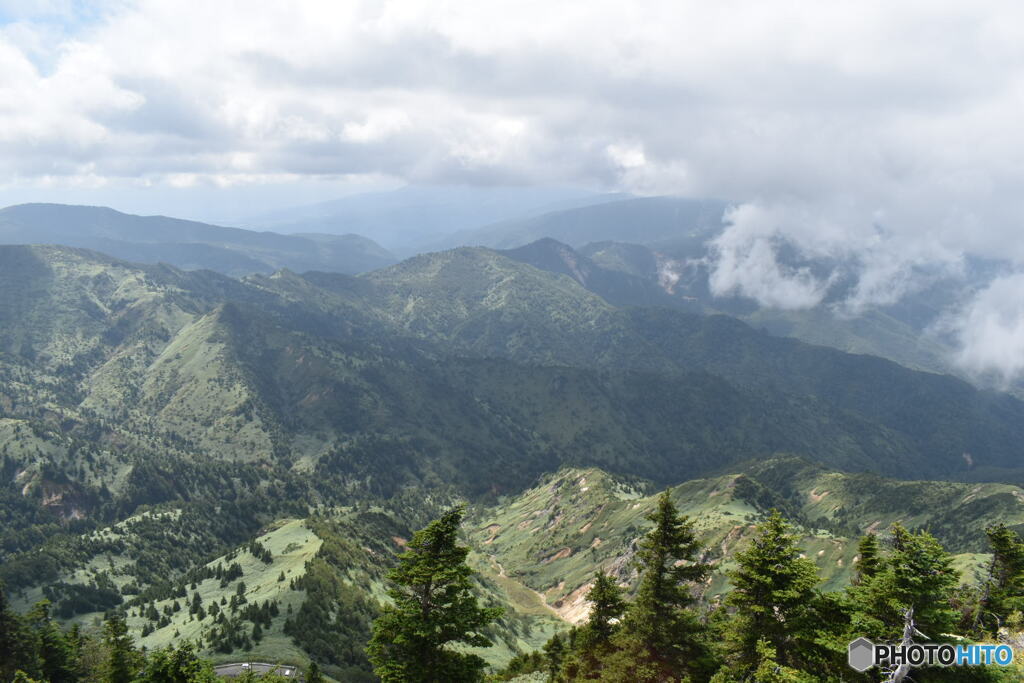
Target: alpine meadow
653	342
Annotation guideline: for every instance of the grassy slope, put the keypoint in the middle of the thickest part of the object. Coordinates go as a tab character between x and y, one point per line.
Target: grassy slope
553	537
292	544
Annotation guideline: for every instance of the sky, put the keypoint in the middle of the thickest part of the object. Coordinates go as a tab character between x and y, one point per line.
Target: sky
882	136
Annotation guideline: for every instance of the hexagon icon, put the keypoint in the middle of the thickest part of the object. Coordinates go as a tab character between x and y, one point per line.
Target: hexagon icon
861	655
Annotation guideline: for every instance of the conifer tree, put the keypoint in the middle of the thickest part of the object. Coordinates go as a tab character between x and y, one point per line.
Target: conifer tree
918	574
56	658
434	608
122	659
1004	589
773	595
16	647
592	640
870	558
554	653
608	605
661	635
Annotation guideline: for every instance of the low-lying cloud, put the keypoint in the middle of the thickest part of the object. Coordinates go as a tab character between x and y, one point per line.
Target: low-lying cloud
990	331
795	256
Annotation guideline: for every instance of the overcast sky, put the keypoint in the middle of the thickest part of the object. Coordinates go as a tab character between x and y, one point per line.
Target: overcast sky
886	134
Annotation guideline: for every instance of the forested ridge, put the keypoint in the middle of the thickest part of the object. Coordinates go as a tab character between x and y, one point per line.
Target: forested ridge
238	462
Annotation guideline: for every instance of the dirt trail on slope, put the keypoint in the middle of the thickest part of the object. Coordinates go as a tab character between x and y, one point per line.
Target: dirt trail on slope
540	596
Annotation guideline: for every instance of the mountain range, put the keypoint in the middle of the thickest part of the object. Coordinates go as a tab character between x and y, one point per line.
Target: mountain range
631	251
187	244
160	425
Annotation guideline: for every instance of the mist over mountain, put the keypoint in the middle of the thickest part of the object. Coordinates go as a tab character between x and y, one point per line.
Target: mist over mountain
419	218
932	321
670	221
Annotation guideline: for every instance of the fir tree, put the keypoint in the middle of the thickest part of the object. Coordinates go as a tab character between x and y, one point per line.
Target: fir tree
669	566
608	605
57	660
918	574
554	654
661	635
592	640
16	647
773	595
434	607
122	659
870	559
1004	589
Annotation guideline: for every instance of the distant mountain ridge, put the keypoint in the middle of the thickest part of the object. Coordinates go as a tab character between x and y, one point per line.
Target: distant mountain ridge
413	219
670	221
186	244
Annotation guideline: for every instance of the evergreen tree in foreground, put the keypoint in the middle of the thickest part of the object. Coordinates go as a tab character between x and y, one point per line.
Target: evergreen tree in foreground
434	608
17	650
122	659
56	656
1004	590
662	637
608	605
773	595
593	639
918	574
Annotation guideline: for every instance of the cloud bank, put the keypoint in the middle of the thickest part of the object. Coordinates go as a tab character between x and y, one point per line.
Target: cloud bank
881	138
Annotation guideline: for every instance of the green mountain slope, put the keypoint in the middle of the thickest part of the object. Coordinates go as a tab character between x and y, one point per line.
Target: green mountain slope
154	421
552	538
408	374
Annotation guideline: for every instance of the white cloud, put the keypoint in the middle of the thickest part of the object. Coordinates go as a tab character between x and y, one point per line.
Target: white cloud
746	262
737	99
881	138
990	330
